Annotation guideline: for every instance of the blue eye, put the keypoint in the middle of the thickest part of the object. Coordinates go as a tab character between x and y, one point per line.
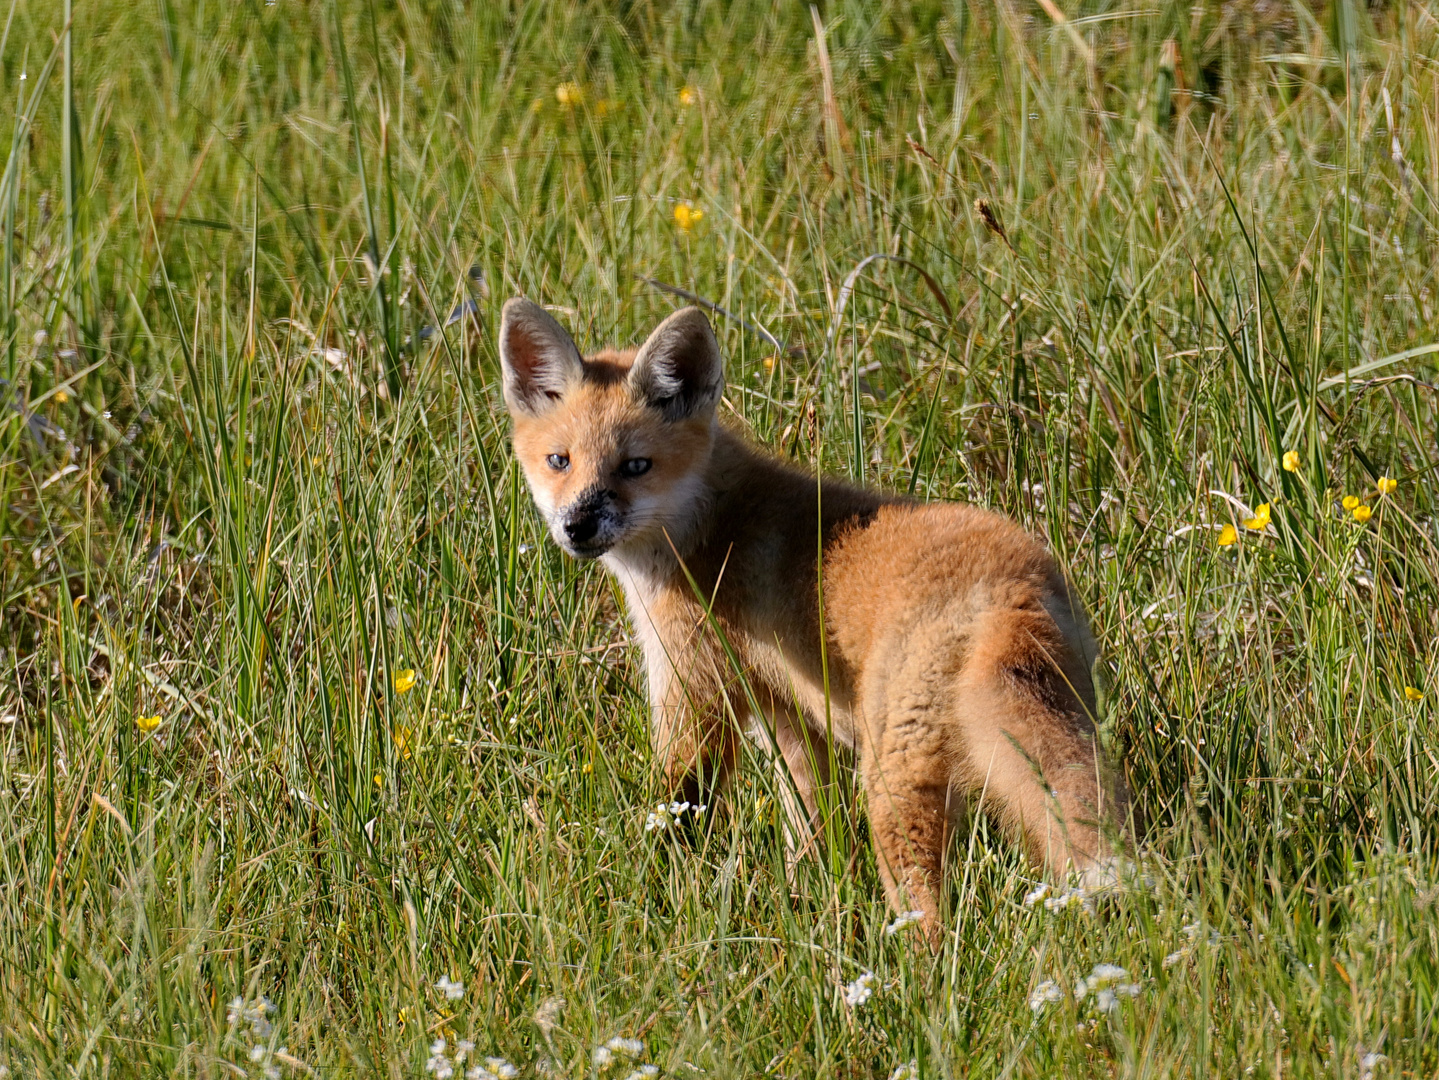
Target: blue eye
635	466
558	462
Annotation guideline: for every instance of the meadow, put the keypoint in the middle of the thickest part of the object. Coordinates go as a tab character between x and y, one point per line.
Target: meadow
318	759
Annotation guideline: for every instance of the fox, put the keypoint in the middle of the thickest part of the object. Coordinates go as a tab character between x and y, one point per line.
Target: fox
935	645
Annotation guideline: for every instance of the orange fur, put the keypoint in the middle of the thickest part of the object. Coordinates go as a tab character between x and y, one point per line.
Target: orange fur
957	660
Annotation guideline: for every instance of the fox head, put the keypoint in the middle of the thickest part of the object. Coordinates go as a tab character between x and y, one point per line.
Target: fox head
613	446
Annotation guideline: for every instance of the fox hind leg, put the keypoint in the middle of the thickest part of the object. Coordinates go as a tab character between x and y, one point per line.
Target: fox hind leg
1026	708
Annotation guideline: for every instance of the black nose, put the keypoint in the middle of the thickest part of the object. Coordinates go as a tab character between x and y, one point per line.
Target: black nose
581	529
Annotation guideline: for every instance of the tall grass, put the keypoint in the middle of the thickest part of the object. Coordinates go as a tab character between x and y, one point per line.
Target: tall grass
248	490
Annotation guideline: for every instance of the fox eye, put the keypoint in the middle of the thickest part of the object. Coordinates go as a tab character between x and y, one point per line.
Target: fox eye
558	462
635	466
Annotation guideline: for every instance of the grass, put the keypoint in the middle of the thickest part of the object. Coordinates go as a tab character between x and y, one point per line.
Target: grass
243	490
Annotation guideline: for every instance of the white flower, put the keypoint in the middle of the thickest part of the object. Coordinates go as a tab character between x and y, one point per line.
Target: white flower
1069	898
1105	975
1046	993
603	1057
678	808
547	1016
1176	956
859	991
438	1063
237	1011
1107	981
908	1071
501	1068
630	1048
644	1072
463	1048
905	918
1368	1063
257	1054
452	989
1036	894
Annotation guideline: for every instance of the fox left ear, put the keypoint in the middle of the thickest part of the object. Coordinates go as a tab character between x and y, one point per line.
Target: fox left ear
678	370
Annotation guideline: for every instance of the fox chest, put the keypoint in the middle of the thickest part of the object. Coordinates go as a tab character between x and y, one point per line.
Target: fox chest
779	654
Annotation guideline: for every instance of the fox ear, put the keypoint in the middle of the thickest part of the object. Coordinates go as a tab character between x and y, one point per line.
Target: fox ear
539	359
678	370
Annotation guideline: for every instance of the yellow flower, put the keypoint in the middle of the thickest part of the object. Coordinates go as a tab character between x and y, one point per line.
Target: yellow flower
1260	521
61	397
688	96
687	216
404	680
1228	535
404	739
769	363
1413	693
605	106
569	93
403	1016
147	724
1362	514
379	780
587	768
1350	502
1387	484
1291	461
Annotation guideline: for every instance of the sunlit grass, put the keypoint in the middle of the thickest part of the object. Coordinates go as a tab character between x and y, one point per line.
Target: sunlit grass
315	752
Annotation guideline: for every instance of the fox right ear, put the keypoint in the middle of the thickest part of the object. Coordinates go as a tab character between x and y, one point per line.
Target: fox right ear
538	358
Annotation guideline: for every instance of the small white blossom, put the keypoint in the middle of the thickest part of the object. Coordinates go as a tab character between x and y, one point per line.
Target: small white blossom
1106	974
1108	984
603	1057
257	1054
908	1071
463	1048
501	1068
906	918
452	989
439	1064
1036	894
1176	956
630	1048
1068	899
1046	993
666	814
1368	1062
859	991
547	1016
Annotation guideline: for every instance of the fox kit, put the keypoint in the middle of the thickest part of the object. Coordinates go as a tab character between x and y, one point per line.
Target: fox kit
937	643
